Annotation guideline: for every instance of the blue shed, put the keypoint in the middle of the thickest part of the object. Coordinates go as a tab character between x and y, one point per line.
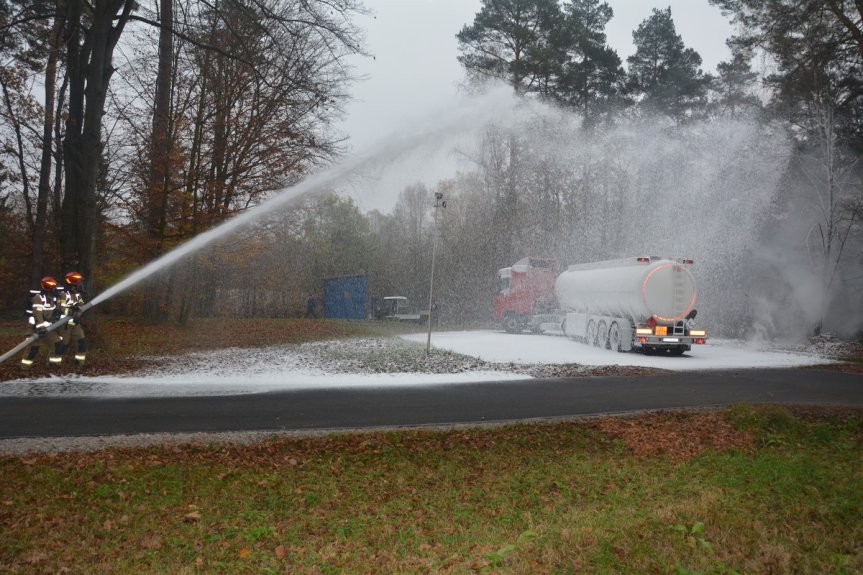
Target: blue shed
345	297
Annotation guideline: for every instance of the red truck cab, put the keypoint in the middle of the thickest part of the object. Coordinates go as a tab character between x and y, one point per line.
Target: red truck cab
525	290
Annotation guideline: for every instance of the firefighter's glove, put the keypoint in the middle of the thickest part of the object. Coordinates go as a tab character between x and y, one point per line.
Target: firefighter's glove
72	322
76	308
42	331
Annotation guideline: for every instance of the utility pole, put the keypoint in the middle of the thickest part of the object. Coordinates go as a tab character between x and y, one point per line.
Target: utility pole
439	202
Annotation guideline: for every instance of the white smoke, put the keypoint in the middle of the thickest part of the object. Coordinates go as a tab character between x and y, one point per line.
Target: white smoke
706	190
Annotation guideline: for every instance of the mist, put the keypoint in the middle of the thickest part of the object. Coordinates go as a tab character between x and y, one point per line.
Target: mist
523	178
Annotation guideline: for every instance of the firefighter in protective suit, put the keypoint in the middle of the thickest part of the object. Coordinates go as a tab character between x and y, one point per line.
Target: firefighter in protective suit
73	333
44	310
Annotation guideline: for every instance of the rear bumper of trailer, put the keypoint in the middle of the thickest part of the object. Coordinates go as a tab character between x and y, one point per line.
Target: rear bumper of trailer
660	342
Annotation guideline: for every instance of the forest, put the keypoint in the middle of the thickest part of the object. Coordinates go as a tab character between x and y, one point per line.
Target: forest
128	128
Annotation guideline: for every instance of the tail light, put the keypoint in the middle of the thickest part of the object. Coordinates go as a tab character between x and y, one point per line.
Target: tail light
698	332
643	331
643	260
699	340
642	339
687	261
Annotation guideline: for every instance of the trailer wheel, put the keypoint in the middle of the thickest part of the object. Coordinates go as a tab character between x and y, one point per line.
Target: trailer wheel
614	342
511	324
590	333
602	335
675	351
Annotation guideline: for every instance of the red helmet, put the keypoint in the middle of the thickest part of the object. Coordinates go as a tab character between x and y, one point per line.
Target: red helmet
48	283
74	278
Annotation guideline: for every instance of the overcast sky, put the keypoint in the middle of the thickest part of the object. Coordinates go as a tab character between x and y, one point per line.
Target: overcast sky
414	71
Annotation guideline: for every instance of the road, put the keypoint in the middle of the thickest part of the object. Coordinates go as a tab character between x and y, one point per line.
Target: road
348	408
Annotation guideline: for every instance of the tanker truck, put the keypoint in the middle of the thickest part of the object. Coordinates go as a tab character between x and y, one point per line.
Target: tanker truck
642	304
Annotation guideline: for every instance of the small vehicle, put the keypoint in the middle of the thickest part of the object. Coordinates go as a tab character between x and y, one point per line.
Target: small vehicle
398	308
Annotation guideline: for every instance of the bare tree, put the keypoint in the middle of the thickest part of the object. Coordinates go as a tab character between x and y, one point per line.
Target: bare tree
91	33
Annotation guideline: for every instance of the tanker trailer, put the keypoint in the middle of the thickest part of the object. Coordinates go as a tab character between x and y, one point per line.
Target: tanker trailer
643	304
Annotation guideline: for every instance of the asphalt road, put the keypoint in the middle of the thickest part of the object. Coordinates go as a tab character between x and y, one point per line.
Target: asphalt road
422	405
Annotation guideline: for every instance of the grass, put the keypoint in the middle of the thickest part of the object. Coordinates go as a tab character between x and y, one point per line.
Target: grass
745	490
782	492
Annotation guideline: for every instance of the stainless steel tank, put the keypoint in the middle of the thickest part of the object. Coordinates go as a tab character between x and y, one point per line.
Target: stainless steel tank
629	288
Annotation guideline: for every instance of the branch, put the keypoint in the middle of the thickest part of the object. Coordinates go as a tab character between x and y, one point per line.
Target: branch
194	42
846	21
20	21
114	35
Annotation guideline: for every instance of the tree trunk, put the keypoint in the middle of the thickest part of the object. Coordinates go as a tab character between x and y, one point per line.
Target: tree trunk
46	162
19	152
158	186
57	151
220	129
89	66
160	138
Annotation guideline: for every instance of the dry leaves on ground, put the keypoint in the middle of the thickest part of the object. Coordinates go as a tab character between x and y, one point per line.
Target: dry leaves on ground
677	435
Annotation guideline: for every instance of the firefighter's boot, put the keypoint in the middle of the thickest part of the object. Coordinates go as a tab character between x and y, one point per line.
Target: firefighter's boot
27	361
81	354
57	357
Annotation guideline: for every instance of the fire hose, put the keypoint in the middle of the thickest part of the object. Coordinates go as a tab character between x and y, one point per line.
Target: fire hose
53	327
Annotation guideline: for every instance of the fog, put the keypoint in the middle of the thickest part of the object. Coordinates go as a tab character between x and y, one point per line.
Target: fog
523	178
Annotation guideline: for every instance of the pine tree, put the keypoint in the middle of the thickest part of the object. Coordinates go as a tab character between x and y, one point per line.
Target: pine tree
592	80
664	74
734	88
511	40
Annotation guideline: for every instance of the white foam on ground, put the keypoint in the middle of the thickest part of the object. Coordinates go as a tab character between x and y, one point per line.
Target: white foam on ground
504	347
318	366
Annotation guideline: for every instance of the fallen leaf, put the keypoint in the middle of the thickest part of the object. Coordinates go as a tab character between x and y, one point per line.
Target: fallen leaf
151	542
35	556
280	551
191	517
244	553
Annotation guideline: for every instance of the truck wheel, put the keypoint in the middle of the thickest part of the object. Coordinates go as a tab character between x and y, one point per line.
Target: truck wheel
511	324
590	333
614	342
602	335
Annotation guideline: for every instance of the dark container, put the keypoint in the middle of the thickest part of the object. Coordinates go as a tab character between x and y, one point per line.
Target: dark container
345	297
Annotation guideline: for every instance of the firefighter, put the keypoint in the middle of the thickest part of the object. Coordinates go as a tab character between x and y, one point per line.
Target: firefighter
690	320
73	333
44	310
310	307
